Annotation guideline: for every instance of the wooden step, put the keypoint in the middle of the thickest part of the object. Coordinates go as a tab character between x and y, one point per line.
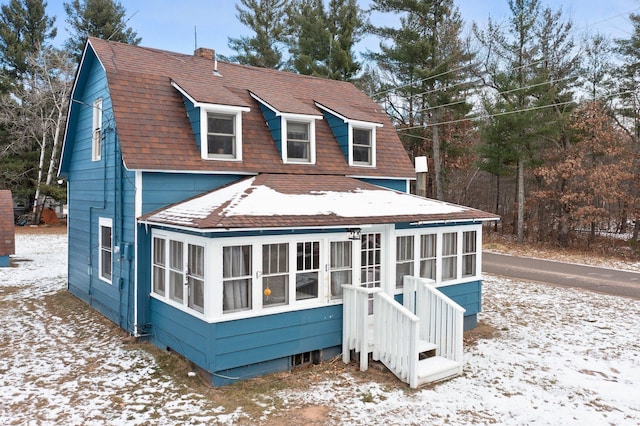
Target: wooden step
437	368
425	346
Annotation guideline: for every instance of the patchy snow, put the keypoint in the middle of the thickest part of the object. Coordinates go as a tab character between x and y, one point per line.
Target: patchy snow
562	356
246	199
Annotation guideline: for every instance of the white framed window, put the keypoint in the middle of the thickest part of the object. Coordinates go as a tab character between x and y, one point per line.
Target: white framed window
404	258
428	256
340	266
307	269
221	130
237	278
105	244
178	270
298	141
363	146
159	266
469	253
275	274
96	131
449	256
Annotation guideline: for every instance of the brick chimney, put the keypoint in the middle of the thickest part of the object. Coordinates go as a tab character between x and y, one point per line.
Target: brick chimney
204	52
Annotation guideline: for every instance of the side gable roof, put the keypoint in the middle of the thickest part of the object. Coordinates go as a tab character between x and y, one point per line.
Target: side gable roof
155	134
278	201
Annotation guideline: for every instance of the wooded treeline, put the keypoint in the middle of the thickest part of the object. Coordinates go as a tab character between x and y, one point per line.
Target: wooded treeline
529	118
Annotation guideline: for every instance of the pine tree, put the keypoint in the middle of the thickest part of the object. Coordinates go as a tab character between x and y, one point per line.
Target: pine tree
266	19
321	41
97	18
428	62
24	30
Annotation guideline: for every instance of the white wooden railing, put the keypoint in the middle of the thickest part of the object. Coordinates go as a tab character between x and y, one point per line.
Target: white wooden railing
441	319
356	333
395	338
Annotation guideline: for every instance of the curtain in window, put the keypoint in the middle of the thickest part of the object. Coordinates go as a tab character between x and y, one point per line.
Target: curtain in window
428	256
449	255
404	258
236	272
159	256
469	253
340	267
195	276
176	275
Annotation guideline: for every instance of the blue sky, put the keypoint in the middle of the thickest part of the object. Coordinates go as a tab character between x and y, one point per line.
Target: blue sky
173	25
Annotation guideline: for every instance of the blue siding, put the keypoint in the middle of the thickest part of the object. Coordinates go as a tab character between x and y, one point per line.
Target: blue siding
194	117
395	184
274	122
246	347
97	189
163	189
340	131
4	261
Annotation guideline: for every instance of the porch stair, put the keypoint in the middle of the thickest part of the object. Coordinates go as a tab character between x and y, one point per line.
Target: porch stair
419	341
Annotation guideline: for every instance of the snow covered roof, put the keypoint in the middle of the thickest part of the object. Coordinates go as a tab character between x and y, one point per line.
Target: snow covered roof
284	201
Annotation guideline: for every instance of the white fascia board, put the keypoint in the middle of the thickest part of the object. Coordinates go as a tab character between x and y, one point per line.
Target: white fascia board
221	230
449	221
356	123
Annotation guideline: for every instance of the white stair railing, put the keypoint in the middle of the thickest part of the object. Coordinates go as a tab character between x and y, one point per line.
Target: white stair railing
441	319
355	323
396	338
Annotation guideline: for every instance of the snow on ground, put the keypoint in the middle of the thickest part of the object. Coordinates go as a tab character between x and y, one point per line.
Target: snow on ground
561	356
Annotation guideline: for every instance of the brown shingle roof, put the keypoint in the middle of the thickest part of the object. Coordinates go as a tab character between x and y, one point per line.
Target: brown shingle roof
280	201
155	134
7	227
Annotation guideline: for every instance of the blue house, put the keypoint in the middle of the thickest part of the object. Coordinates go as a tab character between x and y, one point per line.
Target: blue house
253	220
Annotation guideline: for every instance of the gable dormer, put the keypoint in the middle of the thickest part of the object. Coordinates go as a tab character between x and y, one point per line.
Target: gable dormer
356	138
217	128
293	133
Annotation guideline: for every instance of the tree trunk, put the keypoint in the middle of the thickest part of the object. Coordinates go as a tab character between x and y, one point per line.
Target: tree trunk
37	209
520	201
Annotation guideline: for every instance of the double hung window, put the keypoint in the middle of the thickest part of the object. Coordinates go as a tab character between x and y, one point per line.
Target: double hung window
428	256
449	255
221	135
105	258
298	141
404	258
362	146
469	253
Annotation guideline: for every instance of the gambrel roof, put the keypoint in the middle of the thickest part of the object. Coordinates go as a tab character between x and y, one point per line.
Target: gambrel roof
155	133
280	201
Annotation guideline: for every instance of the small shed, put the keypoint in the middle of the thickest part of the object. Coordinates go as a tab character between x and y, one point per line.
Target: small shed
7	228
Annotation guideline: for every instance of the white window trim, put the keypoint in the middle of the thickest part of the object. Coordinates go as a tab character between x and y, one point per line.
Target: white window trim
364	126
166	298
236	112
104	222
439	231
311	120
96	131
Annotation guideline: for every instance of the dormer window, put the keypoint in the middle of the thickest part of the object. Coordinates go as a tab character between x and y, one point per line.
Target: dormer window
299	145
221	132
362	146
217	127
294	134
356	138
221	135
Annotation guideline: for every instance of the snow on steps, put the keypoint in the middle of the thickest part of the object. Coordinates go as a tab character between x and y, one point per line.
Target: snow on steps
437	368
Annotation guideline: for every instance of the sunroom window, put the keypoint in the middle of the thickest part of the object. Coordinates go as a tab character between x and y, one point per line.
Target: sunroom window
469	253
341	266
404	258
308	265
428	256
449	255
236	278
275	278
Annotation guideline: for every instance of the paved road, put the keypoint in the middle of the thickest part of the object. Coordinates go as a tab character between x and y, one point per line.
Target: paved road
601	280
